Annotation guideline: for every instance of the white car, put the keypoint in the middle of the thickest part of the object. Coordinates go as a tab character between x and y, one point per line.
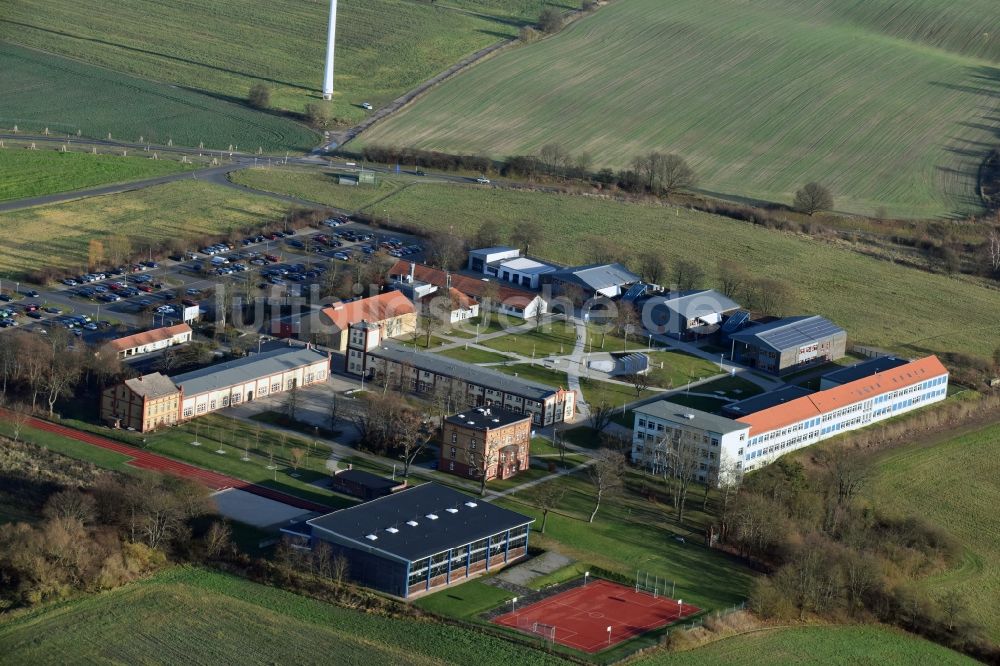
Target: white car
366	106
483	180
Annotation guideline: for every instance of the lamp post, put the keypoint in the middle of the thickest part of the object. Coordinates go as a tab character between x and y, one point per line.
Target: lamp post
513	604
586	574
477	334
609	634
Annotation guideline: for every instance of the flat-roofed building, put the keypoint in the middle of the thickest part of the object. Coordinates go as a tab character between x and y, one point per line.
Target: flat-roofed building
419	539
462	385
523	271
480	260
255	376
150	341
486	441
763	401
142	404
789	344
367	486
860	371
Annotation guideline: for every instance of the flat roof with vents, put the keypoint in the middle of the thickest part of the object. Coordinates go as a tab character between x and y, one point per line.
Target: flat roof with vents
487	418
402	526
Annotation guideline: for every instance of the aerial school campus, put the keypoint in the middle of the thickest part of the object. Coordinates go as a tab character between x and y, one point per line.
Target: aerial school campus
513	332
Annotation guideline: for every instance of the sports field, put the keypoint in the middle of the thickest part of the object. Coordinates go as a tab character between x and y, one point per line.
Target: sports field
798	646
889	103
32	173
580	618
953	483
60	234
42	90
384	47
919	312
192	616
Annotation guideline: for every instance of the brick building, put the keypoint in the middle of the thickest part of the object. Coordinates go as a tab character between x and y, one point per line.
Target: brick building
142	404
487	438
419	539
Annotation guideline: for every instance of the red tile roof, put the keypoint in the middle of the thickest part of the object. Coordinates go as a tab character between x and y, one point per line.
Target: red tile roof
830	400
470	286
374	309
148	337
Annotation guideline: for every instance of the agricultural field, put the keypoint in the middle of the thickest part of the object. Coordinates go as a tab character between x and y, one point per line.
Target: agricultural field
814	645
760	97
384	47
59	234
953	483
319	185
32	173
66	96
919	312
193	616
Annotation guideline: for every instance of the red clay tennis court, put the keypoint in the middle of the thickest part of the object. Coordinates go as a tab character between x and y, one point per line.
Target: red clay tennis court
581	616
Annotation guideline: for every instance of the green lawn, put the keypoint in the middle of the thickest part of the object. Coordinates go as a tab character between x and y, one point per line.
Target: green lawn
70	448
192	616
473	355
953	483
319	185
880	646
42	90
464	601
384	47
549	339
32	173
60	234
631	533
595	392
730	387
678	369
762	97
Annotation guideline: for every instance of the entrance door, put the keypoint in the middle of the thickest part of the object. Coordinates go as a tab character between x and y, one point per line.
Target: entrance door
249	396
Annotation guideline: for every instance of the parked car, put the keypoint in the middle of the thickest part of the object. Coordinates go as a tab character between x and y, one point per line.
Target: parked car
366	106
483	180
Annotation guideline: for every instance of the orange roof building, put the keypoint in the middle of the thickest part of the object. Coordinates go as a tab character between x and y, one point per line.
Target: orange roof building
761	438
152	340
513	301
392	312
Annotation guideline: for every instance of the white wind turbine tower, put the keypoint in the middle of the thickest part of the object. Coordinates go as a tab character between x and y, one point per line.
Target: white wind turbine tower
331	39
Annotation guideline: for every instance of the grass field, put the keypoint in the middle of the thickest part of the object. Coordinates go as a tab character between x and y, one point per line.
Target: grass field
384	47
953	483
552	339
473	355
678	369
879	646
59	234
319	185
42	90
194	616
32	173
918	312
760	97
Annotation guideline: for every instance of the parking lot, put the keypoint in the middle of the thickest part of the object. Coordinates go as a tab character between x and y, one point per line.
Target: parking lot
157	292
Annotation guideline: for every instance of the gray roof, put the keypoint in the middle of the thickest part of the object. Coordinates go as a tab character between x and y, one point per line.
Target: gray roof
247	369
487	418
764	401
864	369
789	333
694	418
696	303
475	374
152	386
492	250
450	529
596	276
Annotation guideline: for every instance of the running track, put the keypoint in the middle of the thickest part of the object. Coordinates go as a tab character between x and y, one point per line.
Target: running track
151	461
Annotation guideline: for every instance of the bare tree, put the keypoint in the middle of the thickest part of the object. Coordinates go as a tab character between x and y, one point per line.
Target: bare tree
607	474
71	504
292	402
664	174
554	157
446	250
18	417
652	268
487	235
813	198
298	455
687	275
769	296
626	321
412	439
993	250
480	462
684	461
601	415
339	568
547	496
218	538
639	381
732	277
524	234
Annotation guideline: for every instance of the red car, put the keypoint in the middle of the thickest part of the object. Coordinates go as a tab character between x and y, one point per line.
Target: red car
144	287
188	302
272	258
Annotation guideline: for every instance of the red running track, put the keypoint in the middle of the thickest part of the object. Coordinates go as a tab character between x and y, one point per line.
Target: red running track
582	615
157	463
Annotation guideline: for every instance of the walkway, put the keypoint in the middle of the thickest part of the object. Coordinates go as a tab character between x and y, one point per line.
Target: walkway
141	459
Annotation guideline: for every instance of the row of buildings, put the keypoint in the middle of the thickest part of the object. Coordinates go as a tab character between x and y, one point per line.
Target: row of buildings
155	400
761	429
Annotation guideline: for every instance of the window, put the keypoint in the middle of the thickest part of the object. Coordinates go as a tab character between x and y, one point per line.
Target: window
275	387
211	405
454	437
451	465
188	412
453	452
225	401
201	408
